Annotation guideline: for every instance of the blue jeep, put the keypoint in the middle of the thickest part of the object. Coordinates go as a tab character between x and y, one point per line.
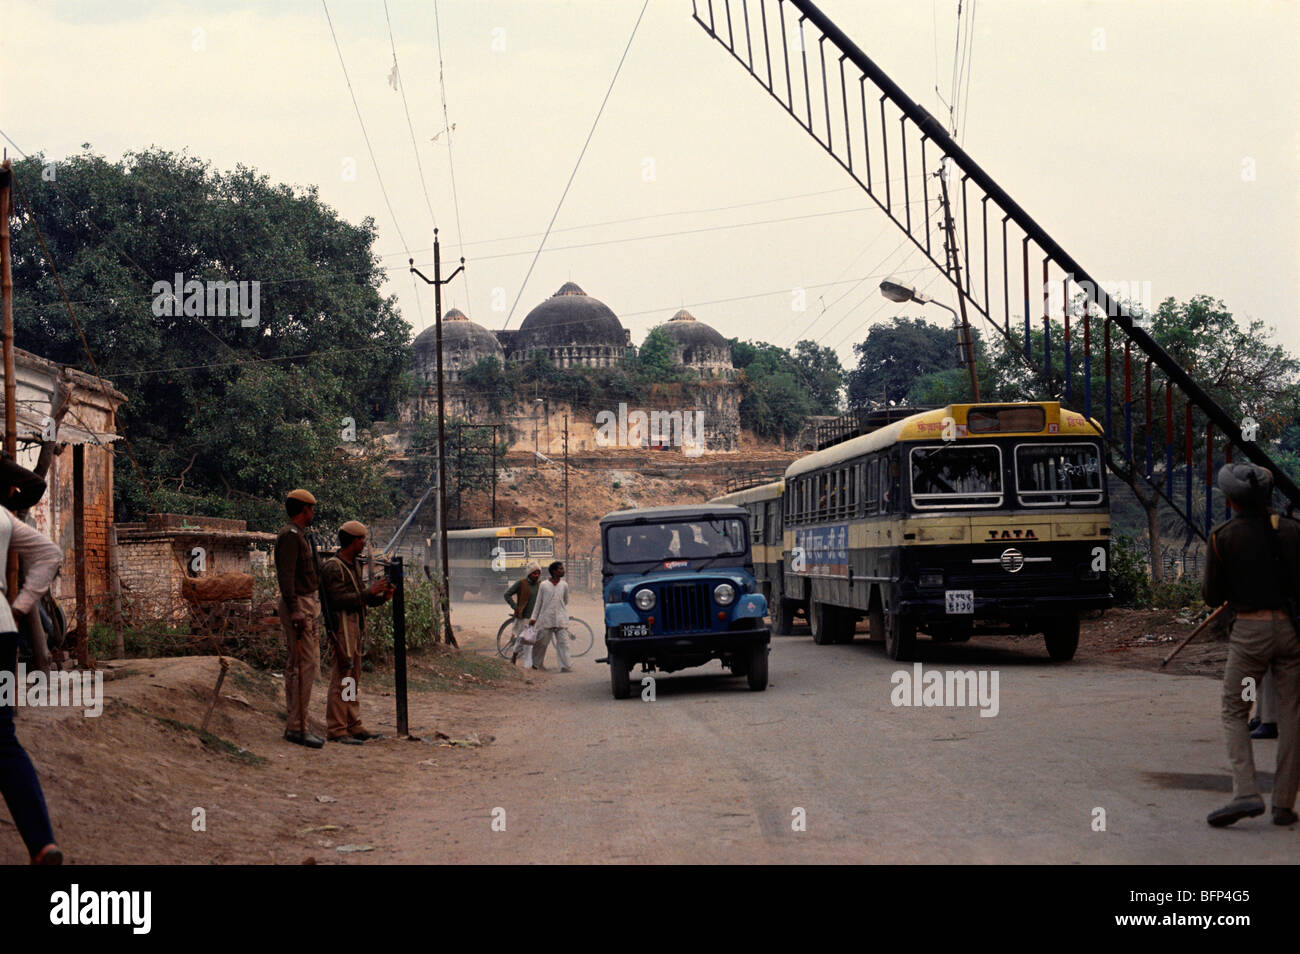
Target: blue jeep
679	591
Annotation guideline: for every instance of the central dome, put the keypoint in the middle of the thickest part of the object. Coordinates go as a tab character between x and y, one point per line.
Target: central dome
464	344
571	328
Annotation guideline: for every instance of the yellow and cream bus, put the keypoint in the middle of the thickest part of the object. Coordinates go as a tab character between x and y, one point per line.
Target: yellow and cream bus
763	501
494	557
967	519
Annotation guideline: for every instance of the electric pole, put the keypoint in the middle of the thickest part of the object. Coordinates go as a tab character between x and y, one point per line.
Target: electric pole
437	282
968	343
566	490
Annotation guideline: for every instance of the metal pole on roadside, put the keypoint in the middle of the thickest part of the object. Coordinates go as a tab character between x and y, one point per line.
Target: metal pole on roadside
566	490
397	577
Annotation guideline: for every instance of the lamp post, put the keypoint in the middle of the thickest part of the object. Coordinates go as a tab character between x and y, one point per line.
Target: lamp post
897	291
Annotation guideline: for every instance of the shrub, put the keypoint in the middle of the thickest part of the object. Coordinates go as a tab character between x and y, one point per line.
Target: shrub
1130	581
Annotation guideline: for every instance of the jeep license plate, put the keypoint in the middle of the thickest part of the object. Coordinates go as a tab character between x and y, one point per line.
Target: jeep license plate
959	602
636	629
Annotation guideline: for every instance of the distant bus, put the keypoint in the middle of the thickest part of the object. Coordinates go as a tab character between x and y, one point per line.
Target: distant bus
765	533
490	559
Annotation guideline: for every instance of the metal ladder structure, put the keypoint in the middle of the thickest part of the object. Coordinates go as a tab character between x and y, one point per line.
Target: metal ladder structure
872	128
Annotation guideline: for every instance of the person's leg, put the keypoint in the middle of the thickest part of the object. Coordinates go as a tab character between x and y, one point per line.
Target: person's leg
336	710
308	659
1249	648
1286	670
353	706
18	781
1266	707
292	680
562	648
539	648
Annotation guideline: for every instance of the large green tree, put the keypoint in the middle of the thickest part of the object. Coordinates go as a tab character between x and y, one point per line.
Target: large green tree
223	417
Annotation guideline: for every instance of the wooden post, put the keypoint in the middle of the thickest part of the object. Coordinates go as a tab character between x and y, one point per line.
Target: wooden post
115	587
79	543
11	383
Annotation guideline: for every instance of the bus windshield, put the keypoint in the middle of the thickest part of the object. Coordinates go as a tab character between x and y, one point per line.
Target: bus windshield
956	475
1048	474
698	538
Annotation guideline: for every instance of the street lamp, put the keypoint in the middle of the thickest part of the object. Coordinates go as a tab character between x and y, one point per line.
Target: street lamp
897	291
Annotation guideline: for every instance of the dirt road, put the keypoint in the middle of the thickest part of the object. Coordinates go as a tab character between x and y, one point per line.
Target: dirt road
711	772
549	768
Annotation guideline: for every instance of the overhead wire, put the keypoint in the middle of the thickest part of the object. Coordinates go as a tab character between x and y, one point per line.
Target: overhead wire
451	163
577	164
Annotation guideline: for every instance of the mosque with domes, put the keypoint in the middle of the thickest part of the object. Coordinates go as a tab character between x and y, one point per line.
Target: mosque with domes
571	329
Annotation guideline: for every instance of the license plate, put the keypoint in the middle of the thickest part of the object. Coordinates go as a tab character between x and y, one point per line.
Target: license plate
959	601
636	629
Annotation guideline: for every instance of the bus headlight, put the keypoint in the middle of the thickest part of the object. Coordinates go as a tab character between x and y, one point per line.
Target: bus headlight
931	578
645	600
724	594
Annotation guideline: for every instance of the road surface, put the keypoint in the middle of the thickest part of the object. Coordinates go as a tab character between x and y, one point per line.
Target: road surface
1082	763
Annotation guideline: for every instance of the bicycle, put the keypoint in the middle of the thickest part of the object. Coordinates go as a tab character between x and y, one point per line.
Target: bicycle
580	635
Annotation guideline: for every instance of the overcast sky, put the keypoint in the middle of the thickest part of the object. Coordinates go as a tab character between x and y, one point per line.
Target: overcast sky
1129	130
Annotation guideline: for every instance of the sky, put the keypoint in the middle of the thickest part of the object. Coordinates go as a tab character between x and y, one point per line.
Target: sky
1156	140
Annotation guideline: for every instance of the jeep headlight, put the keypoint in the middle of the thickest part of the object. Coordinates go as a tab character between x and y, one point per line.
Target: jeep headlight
645	600
724	594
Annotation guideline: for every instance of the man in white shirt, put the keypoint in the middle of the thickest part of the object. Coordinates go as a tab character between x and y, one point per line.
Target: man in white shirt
551	617
39	558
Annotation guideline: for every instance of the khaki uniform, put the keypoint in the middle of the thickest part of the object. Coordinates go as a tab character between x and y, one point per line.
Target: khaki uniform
348	599
295	569
1240	569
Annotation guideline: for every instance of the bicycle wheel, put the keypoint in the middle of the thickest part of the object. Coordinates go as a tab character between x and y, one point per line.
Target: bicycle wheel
582	636
505	638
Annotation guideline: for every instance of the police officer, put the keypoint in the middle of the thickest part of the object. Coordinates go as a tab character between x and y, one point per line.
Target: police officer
348	600
299	607
1253	564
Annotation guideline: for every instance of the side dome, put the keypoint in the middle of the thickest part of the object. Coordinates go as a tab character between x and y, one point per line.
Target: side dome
464	344
572	329
697	345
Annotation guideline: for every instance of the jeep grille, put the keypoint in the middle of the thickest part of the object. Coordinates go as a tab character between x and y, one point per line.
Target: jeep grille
685	607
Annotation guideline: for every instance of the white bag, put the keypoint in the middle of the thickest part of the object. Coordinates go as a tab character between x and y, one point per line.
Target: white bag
527	636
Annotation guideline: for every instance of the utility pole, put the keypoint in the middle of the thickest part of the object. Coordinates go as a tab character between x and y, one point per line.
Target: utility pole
11	385
968	343
437	282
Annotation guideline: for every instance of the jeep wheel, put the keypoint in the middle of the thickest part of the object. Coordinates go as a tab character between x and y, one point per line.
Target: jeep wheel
619	681
900	637
757	673
783	615
1062	638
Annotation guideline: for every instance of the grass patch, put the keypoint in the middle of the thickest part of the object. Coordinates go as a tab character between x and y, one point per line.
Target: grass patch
213	742
440	669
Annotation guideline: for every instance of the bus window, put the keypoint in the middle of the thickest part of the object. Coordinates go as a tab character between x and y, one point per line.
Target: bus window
873	485
541	546
956	475
510	546
1055	474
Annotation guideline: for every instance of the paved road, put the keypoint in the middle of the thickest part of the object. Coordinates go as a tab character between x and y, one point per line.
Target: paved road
712	772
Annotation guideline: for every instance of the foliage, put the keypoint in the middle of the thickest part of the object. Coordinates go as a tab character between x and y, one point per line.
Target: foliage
1130	581
823	375
423	619
224	419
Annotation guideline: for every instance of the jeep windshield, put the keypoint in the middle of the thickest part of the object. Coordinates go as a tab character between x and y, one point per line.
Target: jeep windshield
648	545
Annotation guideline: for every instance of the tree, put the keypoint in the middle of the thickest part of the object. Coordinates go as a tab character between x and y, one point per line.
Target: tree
896	355
776	400
822	374
224	417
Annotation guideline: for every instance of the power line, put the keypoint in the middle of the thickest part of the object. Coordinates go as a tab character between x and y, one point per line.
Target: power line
451	164
401	86
582	153
642	218
365	135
